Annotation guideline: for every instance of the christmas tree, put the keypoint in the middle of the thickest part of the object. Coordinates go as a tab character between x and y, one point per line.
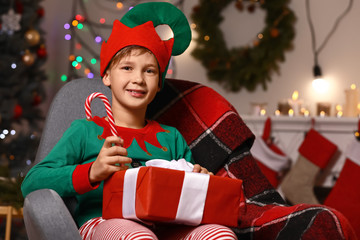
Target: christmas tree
22	54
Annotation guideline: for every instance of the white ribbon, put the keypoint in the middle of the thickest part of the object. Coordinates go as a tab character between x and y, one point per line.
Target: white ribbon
192	198
180	164
129	194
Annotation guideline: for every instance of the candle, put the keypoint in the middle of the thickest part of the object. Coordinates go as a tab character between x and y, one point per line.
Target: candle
291	112
295	103
351	102
277	113
306	113
338	111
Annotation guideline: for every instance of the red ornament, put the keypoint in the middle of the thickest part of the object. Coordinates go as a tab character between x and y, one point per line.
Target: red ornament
19	7
36	100
41	52
40	12
18	110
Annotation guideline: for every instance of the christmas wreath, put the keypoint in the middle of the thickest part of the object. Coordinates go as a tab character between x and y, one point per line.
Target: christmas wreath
246	66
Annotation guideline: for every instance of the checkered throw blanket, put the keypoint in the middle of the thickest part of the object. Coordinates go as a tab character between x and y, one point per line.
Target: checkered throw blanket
220	141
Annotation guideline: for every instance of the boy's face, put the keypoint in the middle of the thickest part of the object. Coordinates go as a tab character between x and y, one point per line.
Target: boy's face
134	81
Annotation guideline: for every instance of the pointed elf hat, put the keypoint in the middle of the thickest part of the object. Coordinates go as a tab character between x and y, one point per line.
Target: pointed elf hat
137	27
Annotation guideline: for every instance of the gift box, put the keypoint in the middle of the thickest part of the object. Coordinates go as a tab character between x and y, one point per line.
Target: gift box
153	194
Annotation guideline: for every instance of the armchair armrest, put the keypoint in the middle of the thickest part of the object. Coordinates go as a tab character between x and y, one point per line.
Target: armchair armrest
47	217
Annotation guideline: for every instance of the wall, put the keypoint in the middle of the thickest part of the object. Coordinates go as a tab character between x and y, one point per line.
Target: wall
340	59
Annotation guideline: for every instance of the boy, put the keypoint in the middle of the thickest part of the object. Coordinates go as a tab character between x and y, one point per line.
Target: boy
133	61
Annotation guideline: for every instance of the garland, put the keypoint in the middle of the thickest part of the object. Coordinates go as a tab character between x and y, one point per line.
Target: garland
246	66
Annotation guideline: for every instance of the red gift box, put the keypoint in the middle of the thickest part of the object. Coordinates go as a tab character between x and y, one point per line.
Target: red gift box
153	194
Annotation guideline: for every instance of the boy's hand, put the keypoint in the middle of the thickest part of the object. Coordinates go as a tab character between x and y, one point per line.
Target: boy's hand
112	158
199	169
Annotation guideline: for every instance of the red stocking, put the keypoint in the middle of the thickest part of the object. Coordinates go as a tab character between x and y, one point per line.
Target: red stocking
345	196
271	160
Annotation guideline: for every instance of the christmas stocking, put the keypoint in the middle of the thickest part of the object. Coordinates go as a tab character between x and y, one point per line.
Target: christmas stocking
271	160
314	154
345	195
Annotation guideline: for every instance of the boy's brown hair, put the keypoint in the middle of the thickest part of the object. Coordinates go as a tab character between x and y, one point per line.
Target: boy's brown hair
125	52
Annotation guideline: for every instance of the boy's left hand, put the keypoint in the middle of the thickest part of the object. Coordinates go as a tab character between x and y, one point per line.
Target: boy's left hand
200	169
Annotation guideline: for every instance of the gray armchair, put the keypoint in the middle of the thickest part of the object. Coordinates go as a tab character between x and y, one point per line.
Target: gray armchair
46	214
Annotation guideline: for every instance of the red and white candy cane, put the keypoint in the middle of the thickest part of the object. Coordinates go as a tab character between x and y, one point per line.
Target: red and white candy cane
107	107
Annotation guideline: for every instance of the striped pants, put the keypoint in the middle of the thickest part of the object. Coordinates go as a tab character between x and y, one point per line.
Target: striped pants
123	229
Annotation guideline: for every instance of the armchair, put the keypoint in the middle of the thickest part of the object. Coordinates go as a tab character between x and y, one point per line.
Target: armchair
219	140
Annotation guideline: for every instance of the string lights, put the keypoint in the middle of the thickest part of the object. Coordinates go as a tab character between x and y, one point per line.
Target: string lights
84	54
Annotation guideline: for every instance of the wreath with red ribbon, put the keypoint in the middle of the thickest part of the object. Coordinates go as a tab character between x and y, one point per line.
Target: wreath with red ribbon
246	66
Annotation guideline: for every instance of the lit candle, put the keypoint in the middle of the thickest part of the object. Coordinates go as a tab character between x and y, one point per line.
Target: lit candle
277	113
339	110
352	100
291	112
322	114
262	112
306	113
295	103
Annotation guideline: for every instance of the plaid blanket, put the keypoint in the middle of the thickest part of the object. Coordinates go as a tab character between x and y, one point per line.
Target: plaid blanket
220	141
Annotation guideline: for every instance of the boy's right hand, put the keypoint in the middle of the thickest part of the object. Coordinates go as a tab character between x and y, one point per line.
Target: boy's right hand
112	158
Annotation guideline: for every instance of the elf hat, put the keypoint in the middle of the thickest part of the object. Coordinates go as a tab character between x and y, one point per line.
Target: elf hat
137	27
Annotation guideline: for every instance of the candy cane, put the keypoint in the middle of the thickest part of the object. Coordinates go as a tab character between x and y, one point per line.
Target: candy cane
107	107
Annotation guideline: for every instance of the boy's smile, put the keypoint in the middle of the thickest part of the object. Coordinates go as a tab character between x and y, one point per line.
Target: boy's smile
136	93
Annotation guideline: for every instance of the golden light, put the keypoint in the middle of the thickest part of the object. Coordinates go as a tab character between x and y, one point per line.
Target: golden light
262	112
119	5
207	38
353	86
291	112
277	112
338	108
193	25
295	95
